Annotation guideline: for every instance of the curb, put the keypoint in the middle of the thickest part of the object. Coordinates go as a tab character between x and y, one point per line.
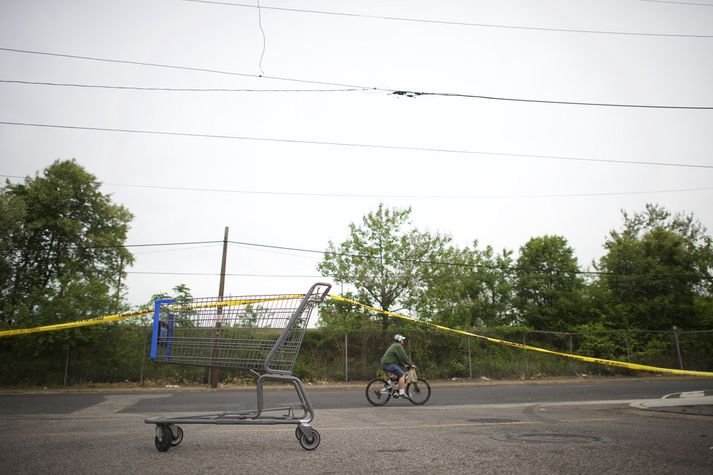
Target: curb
692	402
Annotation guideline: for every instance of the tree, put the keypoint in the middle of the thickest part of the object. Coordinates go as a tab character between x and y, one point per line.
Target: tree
657	270
182	297
12	217
62	257
477	291
548	285
385	260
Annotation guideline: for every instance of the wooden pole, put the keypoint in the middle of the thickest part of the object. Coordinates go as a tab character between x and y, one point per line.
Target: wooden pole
221	290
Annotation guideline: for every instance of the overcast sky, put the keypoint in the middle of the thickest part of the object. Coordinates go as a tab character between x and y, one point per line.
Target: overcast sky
320	139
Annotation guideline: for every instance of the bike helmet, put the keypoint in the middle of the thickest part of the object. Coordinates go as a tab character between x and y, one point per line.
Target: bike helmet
399	338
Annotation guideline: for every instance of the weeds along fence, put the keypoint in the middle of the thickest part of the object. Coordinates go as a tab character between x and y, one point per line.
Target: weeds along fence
119	353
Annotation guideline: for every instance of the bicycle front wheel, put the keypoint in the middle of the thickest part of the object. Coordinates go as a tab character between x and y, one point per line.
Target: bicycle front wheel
377	393
419	392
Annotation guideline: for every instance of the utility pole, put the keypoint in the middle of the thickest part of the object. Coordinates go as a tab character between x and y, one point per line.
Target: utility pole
221	289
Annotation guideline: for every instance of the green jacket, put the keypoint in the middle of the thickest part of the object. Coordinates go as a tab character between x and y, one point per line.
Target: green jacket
395	354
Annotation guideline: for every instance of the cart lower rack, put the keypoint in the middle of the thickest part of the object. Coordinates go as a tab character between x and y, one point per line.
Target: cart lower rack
259	333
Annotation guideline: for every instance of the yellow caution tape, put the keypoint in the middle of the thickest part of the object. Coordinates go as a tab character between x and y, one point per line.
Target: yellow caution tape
234	303
588	359
80	323
123	316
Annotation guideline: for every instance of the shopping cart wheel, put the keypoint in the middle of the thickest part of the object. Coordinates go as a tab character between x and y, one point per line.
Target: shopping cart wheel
310	443
179	436
163	439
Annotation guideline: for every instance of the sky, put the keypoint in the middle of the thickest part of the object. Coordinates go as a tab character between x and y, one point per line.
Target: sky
281	122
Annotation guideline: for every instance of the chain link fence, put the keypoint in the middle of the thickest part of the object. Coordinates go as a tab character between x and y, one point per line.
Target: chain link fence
118	353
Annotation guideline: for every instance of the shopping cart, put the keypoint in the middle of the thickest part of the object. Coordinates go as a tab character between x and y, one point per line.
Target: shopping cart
260	333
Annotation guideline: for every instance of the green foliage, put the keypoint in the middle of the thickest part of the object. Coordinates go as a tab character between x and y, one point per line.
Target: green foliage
345	317
61	256
475	290
548	286
119	353
658	271
64	248
385	260
61	260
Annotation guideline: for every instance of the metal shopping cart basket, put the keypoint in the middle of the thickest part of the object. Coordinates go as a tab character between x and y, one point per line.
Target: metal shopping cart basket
261	333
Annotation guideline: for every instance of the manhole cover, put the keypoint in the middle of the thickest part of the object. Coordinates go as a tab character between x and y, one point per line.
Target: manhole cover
492	420
554	438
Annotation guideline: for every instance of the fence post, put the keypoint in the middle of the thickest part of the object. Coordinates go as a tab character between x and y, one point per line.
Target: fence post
678	347
470	361
143	357
572	362
628	348
66	365
524	342
346	357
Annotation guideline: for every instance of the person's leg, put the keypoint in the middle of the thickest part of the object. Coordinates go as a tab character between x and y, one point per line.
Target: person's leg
398	371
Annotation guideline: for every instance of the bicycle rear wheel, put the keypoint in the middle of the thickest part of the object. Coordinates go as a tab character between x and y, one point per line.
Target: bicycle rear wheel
419	392
377	393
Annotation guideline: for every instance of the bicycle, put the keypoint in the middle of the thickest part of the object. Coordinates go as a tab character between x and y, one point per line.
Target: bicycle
380	390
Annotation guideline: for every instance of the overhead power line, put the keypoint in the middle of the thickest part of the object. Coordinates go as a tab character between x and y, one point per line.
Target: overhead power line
401	92
545	101
361	195
679	3
364	256
173	66
371	196
355	145
471	265
213	274
172	89
357	195
460	264
448	22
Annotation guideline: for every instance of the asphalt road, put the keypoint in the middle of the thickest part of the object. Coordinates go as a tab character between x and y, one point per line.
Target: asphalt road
533	427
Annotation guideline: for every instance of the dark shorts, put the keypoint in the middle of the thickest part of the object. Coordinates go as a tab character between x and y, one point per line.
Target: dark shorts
393	368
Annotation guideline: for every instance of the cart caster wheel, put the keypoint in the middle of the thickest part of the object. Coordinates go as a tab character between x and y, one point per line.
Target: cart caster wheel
179	438
310	443
163	439
298	434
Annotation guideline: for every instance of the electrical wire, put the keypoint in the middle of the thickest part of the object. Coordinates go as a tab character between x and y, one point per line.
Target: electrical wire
355	145
545	101
373	196
180	249
264	41
454	23
495	267
678	3
172	66
399	92
213	274
172	89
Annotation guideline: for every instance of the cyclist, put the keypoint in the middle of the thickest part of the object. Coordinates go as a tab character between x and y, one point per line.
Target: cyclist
395	357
